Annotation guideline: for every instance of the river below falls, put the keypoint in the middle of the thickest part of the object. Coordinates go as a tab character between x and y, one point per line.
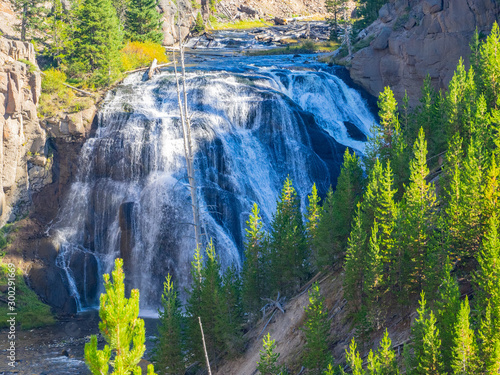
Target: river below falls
58	349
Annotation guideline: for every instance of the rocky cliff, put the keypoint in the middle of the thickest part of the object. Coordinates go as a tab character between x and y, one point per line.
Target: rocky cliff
413	38
24	161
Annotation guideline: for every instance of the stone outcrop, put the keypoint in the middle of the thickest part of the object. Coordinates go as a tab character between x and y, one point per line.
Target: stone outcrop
24	160
169	10
413	38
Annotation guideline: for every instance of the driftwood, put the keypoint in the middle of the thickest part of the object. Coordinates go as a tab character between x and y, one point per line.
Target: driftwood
146	68
152	69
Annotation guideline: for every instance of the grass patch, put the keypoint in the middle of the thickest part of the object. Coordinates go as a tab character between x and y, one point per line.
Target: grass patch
362	43
31	67
239	25
31	312
305	47
137	54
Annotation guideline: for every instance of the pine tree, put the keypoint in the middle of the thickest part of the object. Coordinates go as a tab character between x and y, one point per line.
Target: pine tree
490	66
381	146
32	14
428	116
121	327
373	267
489	341
488	275
95	42
168	351
143	22
354	359
491	199
419	206
312	218
386	357
354	262
426	343
448	306
57	21
268	362
316	328
335	7
288	243
464	360
254	278
337	214
368	12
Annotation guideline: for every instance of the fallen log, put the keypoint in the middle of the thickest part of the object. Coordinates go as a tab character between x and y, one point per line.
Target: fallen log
146	68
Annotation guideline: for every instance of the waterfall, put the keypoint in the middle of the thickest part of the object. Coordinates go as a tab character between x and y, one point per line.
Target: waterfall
252	125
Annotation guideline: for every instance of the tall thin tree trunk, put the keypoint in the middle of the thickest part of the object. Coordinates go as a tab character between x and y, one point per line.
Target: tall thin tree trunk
188	144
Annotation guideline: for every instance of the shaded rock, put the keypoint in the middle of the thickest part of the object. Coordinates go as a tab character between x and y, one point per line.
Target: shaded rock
385	14
436	35
248	10
382	41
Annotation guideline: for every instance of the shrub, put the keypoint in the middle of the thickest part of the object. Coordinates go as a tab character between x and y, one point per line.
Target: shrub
199	25
137	54
53	81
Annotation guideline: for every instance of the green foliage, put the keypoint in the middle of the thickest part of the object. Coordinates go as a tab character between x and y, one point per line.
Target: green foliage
354	359
447	306
139	54
121	327
32	14
465	359
268	362
31	312
53	81
170	344
332	232
143	23
31	67
216	300
95	43
489	341
426	343
316	328
288	243
489	67
254	273
199	25
368	12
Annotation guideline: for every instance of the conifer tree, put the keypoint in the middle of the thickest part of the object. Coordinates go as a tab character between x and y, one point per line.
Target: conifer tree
316	328
426	343
354	359
448	306
268	362
381	146
419	206
488	276
489	341
169	347
121	7
464	360
428	116
386	357
373	266
121	327
337	213
312	218
253	274
95	42
490	66
491	199
288	242
32	14
143	22
354	262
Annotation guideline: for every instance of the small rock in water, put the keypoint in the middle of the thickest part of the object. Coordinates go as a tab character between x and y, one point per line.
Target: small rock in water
65	353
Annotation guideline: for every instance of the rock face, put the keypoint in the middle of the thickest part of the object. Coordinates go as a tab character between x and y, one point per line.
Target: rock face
413	38
24	161
169	10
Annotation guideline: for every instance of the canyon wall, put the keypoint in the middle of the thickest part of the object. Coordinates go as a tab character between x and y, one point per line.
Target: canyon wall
411	39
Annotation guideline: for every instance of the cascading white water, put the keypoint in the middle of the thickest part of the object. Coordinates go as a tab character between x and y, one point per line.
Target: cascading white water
252	126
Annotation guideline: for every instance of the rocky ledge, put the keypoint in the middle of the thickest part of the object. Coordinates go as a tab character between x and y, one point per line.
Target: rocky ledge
413	38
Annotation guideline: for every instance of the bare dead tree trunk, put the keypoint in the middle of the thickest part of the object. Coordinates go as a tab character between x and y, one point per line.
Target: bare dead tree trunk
204	347
188	144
